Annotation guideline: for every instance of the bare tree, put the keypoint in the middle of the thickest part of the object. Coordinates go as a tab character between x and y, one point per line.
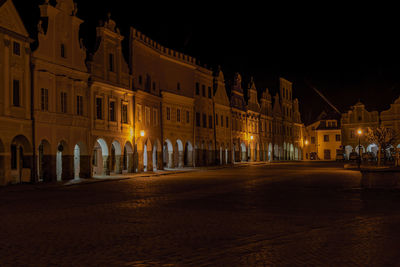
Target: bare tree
383	137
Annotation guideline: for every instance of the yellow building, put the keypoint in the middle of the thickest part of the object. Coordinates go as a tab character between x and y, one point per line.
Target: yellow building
323	138
16	142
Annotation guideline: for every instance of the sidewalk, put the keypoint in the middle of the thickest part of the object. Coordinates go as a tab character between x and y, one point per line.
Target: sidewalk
124	176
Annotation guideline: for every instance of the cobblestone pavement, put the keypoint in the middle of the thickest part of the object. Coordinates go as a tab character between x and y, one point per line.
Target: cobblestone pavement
297	214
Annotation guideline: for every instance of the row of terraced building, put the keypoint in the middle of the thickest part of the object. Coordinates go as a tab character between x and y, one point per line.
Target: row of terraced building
66	112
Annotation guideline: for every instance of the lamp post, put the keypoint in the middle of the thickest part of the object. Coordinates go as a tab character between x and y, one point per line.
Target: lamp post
359	132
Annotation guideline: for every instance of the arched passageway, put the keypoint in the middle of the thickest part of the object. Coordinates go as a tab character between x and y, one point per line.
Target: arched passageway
188	155
21	159
100	158
168	158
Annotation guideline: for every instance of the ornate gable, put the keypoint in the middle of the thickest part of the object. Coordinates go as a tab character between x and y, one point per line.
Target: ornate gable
253	104
10	19
220	95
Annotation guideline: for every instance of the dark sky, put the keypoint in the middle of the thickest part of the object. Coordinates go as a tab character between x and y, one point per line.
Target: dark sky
347	52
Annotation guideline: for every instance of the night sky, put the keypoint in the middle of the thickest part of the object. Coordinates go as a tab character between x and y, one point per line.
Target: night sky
347	52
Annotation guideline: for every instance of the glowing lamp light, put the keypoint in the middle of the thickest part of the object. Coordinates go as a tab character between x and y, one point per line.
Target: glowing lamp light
142	133
306	142
251	137
359	132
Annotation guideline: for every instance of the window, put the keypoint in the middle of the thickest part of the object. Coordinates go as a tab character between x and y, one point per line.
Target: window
147	112
44	99
178	86
63	52
112	111
216	119
312	140
16	93
187	117
155	117
99	108
326	138
154	86
139	113
111	62
147	85
168	114
79	105
338	138
329	124
197	89
210	122
16	48
140	79
209	92
204	120
198	119
124	113
203	90
178	115
63	102
222	121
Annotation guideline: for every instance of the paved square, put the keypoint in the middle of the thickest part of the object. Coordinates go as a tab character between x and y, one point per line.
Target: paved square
282	214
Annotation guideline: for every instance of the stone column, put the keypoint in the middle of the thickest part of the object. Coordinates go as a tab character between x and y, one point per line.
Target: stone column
67	167
118	169
170	159
85	167
180	159
106	165
130	161
149	160
160	160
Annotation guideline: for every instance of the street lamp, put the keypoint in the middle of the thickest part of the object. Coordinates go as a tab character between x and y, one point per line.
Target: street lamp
359	132
306	142
141	133
251	137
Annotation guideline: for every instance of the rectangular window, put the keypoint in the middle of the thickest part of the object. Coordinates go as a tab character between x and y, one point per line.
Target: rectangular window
326	138
124	113
168	114
64	102
222	121
210	122
147	112
155	117
16	93
99	108
16	48
187	117
338	138
197	89
112	111
227	122
204	120
178	115
216	119
203	89
111	62
209	92
79	105
178	86
44	99
139	113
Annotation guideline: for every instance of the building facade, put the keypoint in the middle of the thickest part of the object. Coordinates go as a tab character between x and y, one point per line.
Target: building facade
323	138
70	112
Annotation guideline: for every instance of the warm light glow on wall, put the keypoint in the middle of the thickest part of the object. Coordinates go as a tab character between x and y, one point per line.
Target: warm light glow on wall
142	133
306	142
251	137
359	132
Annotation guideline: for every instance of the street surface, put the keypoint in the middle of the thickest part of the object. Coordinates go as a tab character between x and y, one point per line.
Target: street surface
284	214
